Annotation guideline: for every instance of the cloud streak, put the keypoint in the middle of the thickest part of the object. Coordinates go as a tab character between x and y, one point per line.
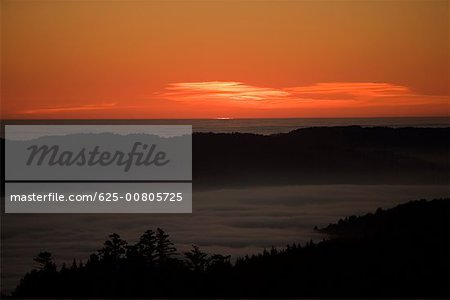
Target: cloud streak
235	91
244	93
351	89
326	99
235	99
52	110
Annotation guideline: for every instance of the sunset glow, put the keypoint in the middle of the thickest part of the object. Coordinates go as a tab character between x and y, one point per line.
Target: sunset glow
277	59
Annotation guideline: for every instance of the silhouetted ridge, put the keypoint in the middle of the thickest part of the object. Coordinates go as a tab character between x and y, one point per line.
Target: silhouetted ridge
401	252
323	155
415	217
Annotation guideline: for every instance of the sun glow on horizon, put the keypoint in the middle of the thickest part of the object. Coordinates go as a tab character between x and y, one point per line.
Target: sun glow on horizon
216	97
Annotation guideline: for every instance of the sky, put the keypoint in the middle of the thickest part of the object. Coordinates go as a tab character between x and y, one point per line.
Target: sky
224	59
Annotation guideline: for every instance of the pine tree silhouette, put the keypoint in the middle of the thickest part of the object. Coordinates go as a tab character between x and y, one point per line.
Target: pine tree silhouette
45	261
146	246
165	249
113	249
197	260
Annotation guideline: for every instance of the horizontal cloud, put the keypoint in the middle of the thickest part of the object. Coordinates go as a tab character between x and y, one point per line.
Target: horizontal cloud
238	99
327	99
353	89
241	92
50	110
221	90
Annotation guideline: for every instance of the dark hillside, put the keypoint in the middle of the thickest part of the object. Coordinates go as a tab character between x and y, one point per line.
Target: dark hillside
324	155
401	252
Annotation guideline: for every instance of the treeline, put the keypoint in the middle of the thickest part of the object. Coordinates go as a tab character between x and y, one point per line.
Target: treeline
398	253
151	267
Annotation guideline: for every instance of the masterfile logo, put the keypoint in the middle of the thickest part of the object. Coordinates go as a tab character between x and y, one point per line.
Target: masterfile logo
140	155
98	169
98	152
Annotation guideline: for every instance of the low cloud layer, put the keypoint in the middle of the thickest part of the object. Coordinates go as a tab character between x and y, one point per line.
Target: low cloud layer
229	221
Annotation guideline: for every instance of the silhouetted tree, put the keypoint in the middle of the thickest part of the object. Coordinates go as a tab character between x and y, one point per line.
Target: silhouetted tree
93	260
63	268
197	260
45	261
219	262
113	249
74	266
165	249
146	246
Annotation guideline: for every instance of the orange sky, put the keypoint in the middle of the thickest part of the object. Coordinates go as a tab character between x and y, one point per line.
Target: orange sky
210	59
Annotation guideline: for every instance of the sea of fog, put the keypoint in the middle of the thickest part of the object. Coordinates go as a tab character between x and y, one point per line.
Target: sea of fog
228	221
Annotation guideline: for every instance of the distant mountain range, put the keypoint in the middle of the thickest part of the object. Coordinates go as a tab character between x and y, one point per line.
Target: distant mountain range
323	155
